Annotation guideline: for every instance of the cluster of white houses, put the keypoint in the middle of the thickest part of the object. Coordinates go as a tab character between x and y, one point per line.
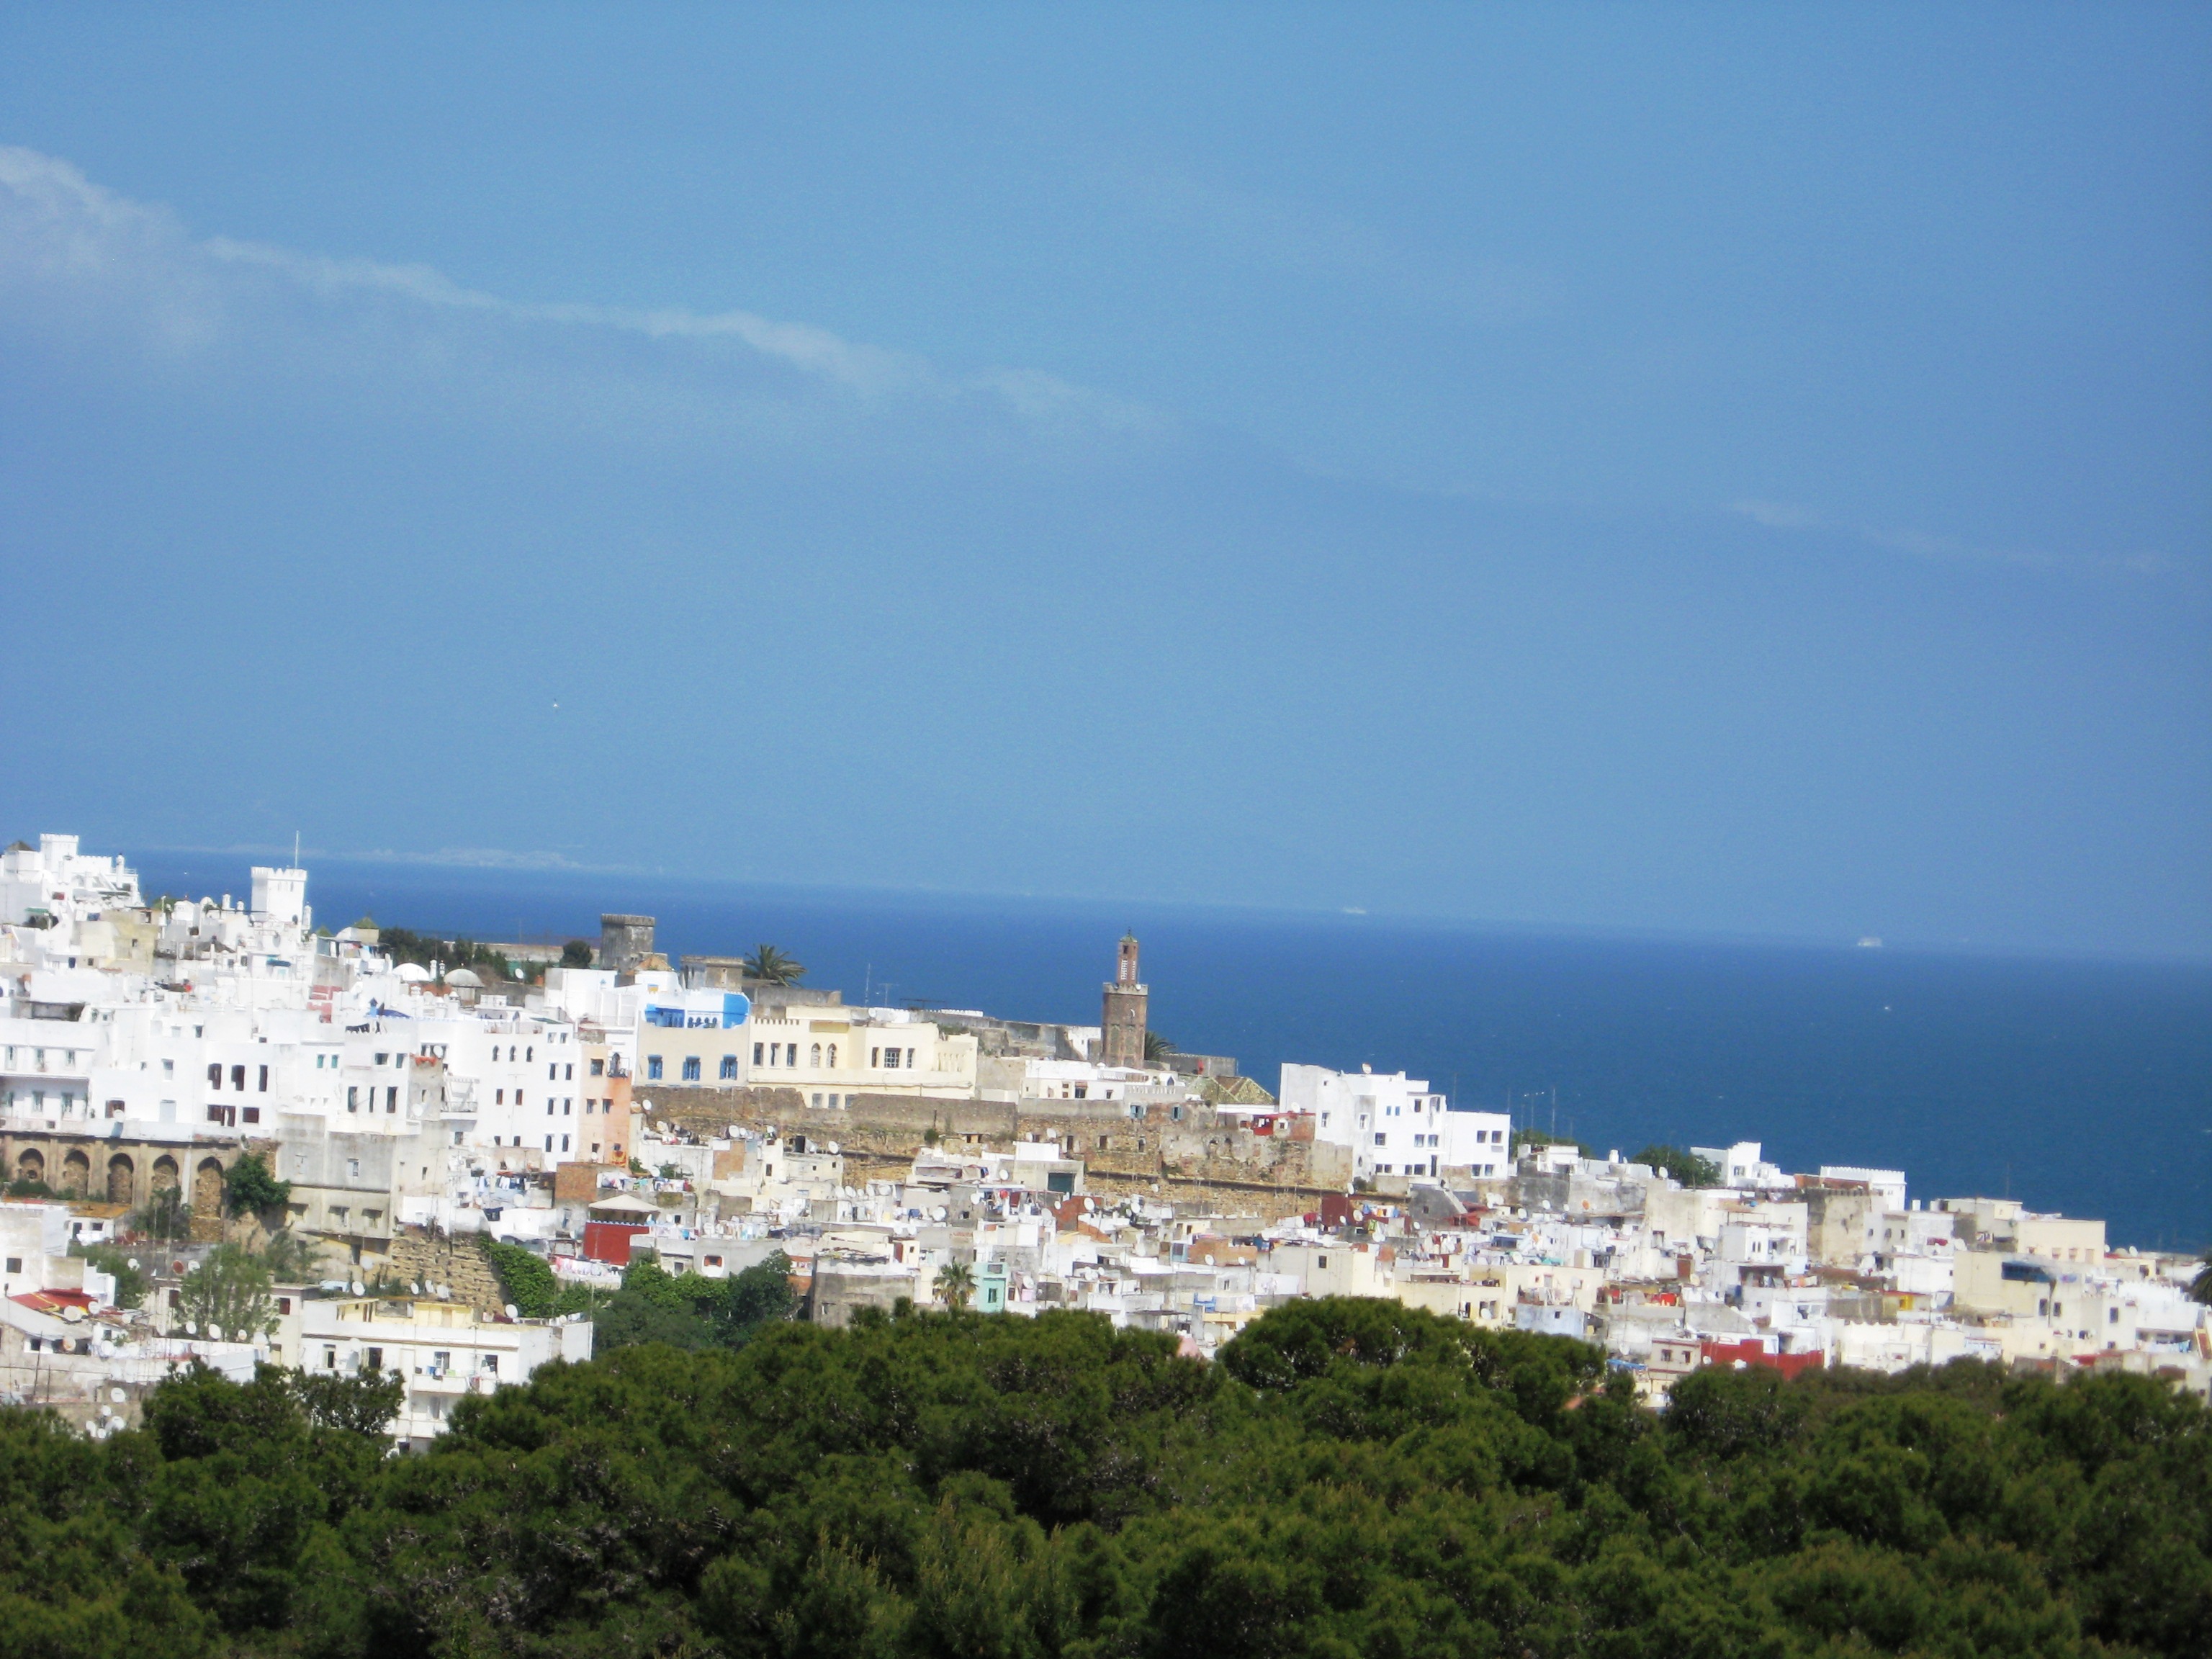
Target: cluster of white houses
148	1047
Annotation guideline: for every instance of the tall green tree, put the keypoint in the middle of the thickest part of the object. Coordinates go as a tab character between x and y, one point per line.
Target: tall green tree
955	1283
230	1291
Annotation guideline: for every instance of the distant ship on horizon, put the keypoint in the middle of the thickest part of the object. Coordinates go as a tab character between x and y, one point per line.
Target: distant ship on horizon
1869	941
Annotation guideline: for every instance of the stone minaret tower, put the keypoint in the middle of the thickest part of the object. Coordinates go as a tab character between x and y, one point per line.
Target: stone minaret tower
1124	1043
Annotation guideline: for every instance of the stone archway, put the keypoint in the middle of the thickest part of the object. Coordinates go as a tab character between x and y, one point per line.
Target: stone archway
76	1173
30	1164
165	1173
207	1195
121	1179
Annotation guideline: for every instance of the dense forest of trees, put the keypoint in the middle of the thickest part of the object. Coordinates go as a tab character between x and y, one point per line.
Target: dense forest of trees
1352	1479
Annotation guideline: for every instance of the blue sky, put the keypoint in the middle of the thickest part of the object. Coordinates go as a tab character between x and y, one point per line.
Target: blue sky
1723	469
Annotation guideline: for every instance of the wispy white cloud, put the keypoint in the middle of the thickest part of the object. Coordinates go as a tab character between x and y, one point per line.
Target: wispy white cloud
79	259
1929	544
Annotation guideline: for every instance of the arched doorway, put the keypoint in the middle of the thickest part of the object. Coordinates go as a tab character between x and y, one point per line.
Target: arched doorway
31	1164
76	1173
207	1191
120	1172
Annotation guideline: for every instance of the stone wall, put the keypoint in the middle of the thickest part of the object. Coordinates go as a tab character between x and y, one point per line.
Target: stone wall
1194	1158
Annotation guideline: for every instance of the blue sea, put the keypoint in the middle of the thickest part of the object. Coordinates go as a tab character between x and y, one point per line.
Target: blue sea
2076	1084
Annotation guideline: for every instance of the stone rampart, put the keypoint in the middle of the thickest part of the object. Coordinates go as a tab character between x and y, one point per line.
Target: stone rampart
1185	1152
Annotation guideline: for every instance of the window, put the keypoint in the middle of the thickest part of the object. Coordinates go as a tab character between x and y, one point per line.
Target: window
329	1358
392	1098
1382	1139
376	1359
653	1067
729	1067
491	1364
353	1168
549	1142
548	1105
517	1097
564	1143
283	1304
353	1097
253	1115
440	1362
568	1071
215	1075
690	1068
15	1264
499	1096
756	1054
265	1080
527	1054
814	1055
552	1071
833	1054
598	1068
891	1060
909	1060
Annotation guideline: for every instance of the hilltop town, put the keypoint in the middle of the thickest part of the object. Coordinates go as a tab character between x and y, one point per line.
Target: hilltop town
189	1082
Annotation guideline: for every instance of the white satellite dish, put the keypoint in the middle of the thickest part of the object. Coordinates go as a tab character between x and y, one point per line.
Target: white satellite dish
513	1312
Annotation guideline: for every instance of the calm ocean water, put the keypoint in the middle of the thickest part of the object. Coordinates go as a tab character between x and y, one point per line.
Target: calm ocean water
2078	1086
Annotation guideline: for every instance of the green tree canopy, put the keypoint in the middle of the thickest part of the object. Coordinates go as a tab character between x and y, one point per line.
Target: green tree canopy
1352	1479
251	1187
1685	1167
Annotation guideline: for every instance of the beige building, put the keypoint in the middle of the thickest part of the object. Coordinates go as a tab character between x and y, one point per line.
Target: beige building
828	1055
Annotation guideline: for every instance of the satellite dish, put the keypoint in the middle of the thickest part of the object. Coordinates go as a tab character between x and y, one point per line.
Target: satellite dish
513	1312
360	1288
191	1329
134	1264
214	1332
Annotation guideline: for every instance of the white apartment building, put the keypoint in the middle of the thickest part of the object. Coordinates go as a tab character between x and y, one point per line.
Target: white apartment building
1394	1125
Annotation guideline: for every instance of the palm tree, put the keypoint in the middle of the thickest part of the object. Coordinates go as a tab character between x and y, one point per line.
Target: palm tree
955	1285
1157	1048
2200	1288
771	967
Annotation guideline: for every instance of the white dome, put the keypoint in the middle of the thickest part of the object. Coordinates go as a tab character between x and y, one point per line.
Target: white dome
413	972
465	978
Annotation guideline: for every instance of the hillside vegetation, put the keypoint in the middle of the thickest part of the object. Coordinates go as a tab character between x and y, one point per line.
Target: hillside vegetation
1352	1479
